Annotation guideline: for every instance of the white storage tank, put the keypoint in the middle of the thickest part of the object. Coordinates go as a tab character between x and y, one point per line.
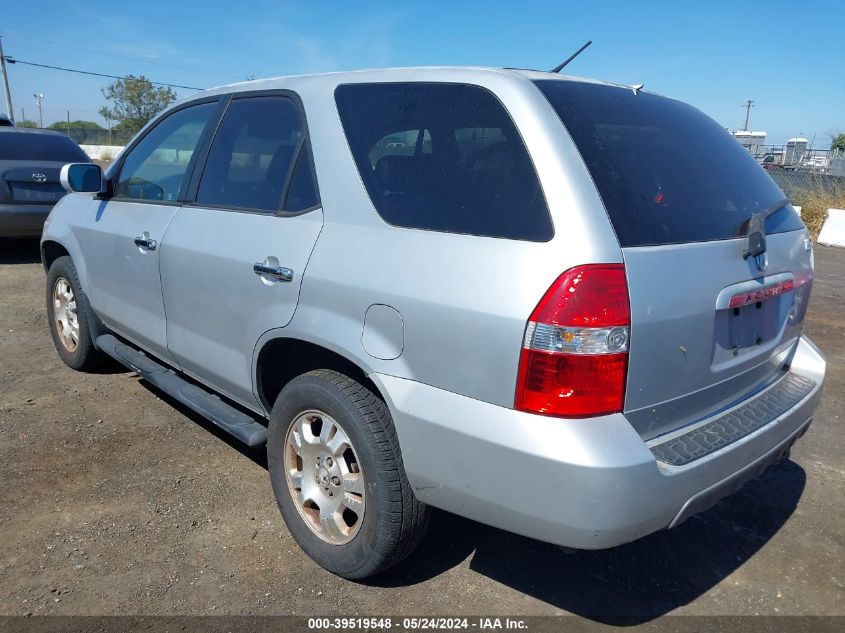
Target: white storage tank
752	141
795	150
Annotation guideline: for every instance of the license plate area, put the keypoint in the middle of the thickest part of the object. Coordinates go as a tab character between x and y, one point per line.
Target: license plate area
751	318
750	325
36	192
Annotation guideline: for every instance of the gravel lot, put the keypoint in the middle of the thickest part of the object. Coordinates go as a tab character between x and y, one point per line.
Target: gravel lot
114	500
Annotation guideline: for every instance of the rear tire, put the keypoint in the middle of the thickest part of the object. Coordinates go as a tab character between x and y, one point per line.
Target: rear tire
69	316
338	478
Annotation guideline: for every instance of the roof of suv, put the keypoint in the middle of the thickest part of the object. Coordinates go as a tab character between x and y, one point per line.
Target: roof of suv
467	73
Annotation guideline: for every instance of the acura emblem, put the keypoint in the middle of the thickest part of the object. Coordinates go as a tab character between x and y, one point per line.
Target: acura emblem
37	177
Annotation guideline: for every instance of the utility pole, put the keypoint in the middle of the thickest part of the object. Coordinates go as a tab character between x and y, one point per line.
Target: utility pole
747	105
6	82
39	97
68	123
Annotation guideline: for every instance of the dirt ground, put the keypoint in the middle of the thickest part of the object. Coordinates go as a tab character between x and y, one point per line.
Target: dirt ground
113	500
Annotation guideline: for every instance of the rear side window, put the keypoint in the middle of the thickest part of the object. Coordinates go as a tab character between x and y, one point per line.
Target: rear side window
443	157
666	172
404	143
44	147
255	153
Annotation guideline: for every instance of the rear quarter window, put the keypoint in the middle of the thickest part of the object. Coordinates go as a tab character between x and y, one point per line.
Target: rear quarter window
443	157
666	172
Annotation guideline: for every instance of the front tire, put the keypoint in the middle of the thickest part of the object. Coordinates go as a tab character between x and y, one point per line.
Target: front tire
68	314
338	478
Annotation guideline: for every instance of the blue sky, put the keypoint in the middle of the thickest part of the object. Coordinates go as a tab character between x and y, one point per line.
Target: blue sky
788	56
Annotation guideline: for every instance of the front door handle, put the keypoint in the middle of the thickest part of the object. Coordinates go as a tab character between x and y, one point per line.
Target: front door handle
144	241
269	270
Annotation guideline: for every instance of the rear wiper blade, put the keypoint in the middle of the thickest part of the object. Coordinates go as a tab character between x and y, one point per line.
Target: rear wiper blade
757	230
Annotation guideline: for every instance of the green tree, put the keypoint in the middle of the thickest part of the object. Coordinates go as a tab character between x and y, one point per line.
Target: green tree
123	132
134	101
81	131
837	142
83	125
26	123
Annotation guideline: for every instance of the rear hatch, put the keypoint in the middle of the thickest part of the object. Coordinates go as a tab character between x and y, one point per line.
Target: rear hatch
709	326
30	164
31	182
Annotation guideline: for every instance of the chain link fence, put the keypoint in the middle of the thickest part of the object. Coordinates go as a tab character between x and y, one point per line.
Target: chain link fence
796	182
95	136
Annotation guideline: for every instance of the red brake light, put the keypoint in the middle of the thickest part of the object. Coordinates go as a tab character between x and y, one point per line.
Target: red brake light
574	360
760	294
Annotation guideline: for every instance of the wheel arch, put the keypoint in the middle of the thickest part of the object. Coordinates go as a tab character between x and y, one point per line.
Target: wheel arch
51	250
58	243
280	359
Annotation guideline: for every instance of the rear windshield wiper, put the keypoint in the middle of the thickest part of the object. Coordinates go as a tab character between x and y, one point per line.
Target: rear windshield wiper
757	230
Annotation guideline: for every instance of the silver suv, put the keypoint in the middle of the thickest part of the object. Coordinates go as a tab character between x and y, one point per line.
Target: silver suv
565	308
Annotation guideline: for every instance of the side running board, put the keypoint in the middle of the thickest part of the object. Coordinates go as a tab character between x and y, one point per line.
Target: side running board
244	427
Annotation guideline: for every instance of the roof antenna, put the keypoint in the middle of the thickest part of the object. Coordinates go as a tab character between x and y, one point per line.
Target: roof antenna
560	67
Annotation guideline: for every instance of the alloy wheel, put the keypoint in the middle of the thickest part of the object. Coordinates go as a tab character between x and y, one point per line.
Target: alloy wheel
64	314
324	477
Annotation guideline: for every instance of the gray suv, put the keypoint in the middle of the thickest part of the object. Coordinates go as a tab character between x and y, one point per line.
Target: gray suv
565	308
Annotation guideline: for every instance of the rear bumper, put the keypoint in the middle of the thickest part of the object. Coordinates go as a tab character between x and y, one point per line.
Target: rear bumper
587	484
23	220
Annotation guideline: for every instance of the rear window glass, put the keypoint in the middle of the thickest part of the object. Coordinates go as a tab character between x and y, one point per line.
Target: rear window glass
666	172
46	147
443	157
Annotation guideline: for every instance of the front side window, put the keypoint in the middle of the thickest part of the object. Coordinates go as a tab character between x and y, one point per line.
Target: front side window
259	149
443	157
156	167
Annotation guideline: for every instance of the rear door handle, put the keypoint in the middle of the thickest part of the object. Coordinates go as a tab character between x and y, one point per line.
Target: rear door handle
276	272
144	241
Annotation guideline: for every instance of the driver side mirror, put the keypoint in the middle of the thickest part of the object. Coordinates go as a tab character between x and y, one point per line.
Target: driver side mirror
82	178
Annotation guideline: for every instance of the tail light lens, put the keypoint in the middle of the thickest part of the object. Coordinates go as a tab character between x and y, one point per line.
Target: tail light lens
803	284
574	359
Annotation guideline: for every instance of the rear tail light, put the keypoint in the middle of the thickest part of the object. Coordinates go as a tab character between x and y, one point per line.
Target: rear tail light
803	286
574	359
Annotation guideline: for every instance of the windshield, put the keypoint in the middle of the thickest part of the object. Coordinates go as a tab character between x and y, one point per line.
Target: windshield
666	172
45	147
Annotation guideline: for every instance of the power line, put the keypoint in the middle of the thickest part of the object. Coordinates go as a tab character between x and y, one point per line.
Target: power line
110	54
86	72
